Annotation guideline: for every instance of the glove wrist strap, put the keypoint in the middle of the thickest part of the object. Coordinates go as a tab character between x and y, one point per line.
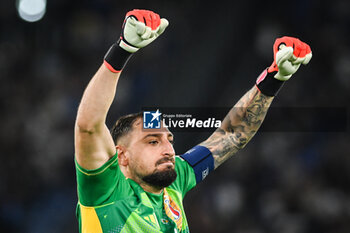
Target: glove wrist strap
126	46
267	84
116	58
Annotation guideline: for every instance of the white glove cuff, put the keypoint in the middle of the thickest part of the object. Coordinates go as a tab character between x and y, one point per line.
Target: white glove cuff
127	47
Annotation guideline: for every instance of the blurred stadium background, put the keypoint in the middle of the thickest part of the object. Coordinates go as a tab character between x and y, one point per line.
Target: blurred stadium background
211	54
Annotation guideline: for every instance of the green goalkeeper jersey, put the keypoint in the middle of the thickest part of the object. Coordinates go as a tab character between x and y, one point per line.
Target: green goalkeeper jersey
110	203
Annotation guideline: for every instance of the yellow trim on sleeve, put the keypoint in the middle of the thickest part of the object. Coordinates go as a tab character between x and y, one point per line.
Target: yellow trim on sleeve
89	220
97	206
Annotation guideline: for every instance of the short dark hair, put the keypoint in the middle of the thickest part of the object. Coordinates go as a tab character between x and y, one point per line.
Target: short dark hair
124	125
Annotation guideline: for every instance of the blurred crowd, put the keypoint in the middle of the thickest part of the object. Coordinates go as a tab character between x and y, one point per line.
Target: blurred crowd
210	55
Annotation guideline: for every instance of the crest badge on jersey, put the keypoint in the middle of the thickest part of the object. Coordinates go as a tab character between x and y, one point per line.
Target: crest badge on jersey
172	210
175	213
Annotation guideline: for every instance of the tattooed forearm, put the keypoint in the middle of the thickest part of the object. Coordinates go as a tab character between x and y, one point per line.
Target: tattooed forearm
239	126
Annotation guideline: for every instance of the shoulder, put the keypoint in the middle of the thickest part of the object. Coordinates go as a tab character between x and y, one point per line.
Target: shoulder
185	179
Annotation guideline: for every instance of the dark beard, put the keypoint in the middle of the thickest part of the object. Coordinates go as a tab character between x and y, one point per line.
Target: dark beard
161	179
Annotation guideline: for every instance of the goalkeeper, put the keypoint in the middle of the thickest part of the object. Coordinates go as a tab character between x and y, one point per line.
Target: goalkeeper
129	179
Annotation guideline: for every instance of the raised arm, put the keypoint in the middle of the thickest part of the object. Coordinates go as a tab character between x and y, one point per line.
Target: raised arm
239	126
245	118
93	143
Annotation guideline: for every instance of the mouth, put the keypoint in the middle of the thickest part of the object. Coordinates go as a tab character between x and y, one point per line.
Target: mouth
166	162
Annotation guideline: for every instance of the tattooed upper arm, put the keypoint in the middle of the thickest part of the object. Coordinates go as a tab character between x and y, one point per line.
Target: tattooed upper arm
239	126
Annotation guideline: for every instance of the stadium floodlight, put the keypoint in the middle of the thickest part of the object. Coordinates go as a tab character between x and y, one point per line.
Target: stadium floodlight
31	10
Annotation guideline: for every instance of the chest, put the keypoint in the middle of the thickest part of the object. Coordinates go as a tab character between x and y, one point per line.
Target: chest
130	215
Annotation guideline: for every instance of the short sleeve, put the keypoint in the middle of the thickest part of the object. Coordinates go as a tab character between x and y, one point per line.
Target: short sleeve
186	179
98	186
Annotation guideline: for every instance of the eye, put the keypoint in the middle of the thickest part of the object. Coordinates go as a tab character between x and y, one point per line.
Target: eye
171	142
153	142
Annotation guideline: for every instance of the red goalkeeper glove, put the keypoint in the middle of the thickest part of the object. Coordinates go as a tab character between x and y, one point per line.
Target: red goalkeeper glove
289	53
140	28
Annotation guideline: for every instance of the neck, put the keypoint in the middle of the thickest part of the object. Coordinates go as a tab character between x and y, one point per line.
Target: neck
150	189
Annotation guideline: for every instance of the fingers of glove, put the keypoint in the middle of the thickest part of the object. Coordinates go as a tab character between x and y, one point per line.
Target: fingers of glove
297	60
140	27
288	68
301	49
147	33
307	58
163	25
132	25
302	53
285	53
132	22
302	60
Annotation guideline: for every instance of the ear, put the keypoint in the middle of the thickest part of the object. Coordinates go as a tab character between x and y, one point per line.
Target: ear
122	158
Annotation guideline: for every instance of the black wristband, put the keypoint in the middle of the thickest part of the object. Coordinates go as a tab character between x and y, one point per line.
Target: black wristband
267	84
116	58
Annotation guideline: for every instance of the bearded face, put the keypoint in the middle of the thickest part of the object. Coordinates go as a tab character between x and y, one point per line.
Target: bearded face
150	156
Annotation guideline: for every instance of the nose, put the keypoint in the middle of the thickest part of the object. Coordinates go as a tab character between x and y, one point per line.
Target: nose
168	149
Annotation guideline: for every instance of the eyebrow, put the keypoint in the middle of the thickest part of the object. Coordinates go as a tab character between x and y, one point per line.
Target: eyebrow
158	135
